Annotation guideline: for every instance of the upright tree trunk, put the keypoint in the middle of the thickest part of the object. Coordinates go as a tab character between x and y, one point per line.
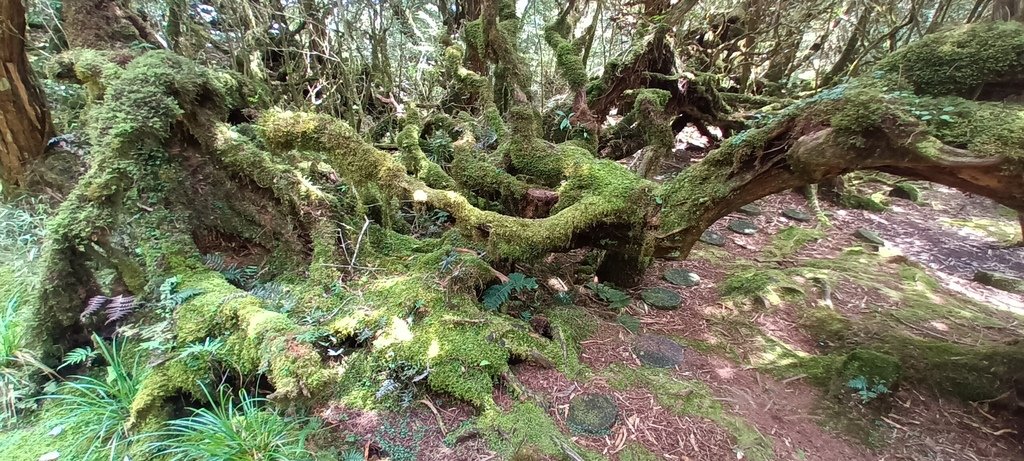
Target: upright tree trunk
1008	10
104	25
24	121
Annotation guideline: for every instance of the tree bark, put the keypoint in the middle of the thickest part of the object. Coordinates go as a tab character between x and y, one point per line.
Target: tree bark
24	120
1008	10
104	25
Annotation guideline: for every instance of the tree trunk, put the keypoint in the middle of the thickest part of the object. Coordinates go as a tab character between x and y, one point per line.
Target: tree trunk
1008	10
104	25
24	121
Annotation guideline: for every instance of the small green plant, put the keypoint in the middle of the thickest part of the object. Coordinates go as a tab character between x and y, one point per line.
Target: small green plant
866	392
14	383
400	440
616	299
497	295
79	356
102	407
234	429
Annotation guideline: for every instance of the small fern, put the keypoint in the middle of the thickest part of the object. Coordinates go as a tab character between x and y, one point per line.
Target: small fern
616	299
77	356
352	455
120	306
497	295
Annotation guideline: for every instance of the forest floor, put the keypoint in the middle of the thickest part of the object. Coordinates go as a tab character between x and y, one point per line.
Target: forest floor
732	397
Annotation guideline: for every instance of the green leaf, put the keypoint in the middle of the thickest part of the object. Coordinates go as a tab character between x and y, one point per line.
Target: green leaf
926	117
946	118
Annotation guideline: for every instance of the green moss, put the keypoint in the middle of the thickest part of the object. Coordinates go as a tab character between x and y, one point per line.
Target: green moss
791	240
637	452
958	60
526	424
877	368
567	54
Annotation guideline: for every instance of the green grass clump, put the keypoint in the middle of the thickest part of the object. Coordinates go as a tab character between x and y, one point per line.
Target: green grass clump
102	406
241	429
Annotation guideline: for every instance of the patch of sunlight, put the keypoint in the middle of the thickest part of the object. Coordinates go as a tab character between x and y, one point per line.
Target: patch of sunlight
397	332
996	299
434	349
777	353
1001	231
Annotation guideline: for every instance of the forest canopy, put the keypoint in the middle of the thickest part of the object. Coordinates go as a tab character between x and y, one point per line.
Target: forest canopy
252	208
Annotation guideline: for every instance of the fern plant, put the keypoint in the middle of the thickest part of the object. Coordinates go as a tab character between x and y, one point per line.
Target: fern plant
79	356
115	309
497	295
241	277
234	429
101	408
616	299
864	390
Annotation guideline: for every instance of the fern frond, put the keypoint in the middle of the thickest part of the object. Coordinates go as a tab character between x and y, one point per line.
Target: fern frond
214	261
78	356
119	308
93	306
496	295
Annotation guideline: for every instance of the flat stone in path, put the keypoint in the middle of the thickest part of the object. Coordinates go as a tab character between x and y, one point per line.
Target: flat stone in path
869	236
661	298
658	351
796	215
592	414
740	226
711	237
682	278
750	210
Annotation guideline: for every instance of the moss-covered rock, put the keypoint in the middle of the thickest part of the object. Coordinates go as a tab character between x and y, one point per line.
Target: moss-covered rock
796	215
906	191
592	414
661	298
742	227
711	237
658	351
869	236
683	278
1000	281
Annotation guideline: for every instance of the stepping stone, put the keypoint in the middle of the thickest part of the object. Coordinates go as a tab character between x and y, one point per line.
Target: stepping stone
662	299
1000	281
750	210
711	237
869	236
592	414
796	215
629	322
740	226
658	351
682	278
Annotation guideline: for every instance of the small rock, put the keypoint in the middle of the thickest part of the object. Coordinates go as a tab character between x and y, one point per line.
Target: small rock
750	210
796	215
711	237
1000	281
682	278
662	299
658	351
743	227
869	236
55	431
51	456
905	191
629	322
592	414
